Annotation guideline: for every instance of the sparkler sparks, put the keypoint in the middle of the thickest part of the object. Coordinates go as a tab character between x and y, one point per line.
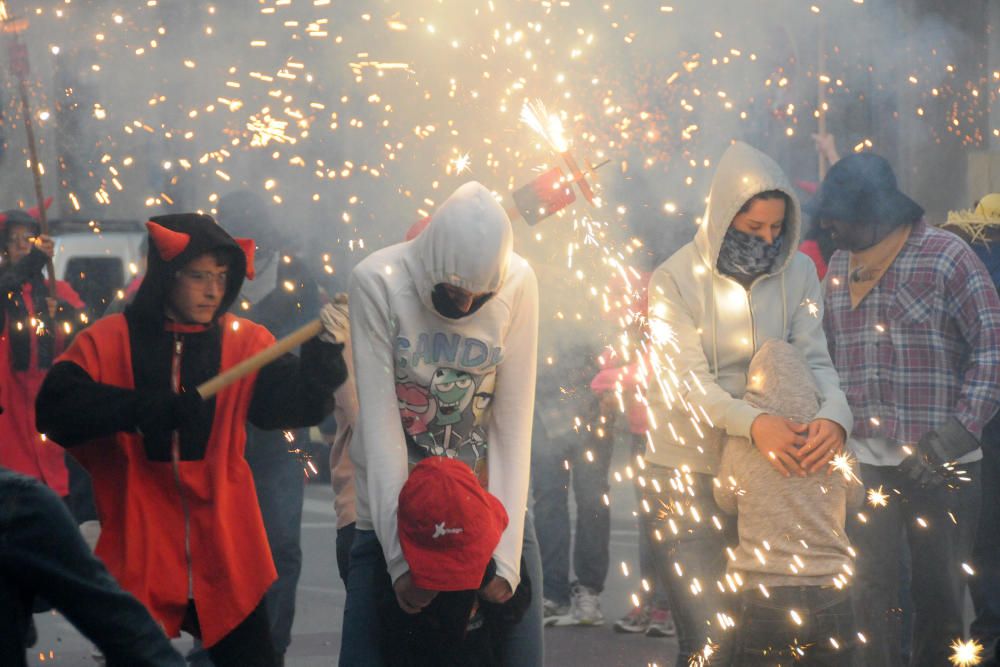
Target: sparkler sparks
966	653
877	497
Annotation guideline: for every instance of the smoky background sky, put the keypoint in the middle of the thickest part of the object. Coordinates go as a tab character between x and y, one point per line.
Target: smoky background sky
349	116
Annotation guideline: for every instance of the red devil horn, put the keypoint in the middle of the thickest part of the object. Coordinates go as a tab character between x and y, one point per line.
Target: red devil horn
248	247
35	213
168	243
417	227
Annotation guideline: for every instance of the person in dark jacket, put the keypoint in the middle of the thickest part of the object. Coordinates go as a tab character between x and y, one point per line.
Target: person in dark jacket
282	297
181	529
43	554
981	228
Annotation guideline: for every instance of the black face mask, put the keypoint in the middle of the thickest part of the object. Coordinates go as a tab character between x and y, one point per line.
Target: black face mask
445	305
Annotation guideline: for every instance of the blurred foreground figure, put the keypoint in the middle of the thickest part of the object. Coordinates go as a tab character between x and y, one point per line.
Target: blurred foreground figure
180	525
43	554
444	331
913	321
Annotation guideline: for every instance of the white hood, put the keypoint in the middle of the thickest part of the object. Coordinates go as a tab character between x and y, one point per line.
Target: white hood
468	243
742	173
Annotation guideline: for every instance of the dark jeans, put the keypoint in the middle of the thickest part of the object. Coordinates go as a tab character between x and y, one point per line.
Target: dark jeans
656	597
985	586
696	546
766	634
361	634
550	481
345	539
247	645
280	481
42	553
936	552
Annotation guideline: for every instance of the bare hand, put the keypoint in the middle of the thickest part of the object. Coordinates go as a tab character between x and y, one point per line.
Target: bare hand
46	245
411	598
779	440
497	591
824	441
52	304
827	147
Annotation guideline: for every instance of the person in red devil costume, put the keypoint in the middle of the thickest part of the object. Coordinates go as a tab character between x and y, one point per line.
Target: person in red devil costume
31	338
181	528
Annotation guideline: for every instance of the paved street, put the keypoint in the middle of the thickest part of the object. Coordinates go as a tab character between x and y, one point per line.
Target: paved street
321	603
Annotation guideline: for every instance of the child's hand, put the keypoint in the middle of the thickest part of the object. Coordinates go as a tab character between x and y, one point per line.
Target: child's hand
497	591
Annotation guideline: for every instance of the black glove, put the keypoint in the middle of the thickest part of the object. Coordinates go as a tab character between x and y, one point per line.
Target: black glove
160	413
323	365
925	467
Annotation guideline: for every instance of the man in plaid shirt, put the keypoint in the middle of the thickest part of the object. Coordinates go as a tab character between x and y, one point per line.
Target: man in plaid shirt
913	322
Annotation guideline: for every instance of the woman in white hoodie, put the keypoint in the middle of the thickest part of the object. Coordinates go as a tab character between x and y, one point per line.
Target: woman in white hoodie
445	333
712	305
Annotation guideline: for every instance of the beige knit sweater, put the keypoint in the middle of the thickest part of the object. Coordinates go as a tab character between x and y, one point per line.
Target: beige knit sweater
791	529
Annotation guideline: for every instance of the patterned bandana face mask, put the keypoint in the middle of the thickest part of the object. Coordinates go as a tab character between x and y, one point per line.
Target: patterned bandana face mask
746	255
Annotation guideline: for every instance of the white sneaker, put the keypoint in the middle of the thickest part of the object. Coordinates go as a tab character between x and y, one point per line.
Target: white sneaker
555	614
585	606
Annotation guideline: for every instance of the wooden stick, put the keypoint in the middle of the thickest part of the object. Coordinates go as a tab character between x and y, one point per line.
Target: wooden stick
213	386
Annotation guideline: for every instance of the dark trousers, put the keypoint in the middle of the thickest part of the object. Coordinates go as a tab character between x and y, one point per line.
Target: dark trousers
767	636
248	645
696	546
656	597
550	480
280	481
936	552
43	554
985	586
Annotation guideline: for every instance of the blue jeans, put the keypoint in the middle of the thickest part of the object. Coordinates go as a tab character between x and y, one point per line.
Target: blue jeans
697	547
936	554
764	633
280	482
359	642
550	482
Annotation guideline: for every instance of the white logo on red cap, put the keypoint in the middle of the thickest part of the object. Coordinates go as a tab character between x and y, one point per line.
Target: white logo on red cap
440	530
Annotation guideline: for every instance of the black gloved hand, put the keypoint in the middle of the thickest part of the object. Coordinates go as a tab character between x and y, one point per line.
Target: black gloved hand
160	413
323	365
926	466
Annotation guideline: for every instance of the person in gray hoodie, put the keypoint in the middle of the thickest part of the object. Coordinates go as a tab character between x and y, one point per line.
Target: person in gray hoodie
794	555
712	305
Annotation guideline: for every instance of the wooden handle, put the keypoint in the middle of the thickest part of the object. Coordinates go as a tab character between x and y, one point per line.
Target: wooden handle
213	386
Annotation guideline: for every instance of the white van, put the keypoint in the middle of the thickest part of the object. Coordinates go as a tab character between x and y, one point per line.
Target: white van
98	258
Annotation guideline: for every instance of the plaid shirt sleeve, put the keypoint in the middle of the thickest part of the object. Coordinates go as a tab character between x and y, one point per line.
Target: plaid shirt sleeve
974	306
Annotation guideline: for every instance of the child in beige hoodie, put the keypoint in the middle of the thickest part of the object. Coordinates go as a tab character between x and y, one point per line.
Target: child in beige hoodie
794	561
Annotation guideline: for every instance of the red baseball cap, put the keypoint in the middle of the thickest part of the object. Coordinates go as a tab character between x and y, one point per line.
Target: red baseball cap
449	525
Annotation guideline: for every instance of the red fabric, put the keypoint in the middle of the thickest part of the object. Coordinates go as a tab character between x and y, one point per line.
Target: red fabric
167	242
22	448
811	248
449	525
142	519
417	227
35	213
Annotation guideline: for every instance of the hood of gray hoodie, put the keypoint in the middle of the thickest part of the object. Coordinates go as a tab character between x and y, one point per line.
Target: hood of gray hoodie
742	173
468	243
